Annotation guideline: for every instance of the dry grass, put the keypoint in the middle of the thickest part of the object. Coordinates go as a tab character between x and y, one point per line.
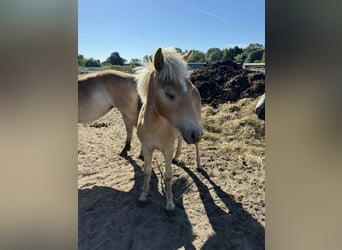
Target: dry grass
235	125
233	145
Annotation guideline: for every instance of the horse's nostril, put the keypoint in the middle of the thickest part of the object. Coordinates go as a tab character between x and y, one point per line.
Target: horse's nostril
194	136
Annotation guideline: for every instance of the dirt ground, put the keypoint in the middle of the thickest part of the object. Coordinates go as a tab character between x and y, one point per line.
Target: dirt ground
222	207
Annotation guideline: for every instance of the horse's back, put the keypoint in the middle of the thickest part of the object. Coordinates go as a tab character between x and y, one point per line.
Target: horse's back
100	92
93	101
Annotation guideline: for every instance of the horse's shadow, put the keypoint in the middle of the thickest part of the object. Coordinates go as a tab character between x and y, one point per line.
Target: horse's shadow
234	230
113	219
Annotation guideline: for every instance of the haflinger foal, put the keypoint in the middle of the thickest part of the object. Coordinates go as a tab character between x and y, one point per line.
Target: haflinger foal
171	109
100	92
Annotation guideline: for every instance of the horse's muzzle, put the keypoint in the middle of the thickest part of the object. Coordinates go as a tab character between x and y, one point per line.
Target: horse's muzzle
192	135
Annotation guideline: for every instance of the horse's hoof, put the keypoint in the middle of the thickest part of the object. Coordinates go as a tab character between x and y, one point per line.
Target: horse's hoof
176	161
170	206
143	197
199	169
123	153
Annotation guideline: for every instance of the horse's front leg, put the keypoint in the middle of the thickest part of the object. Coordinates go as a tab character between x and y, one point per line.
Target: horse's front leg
147	172
198	157
168	179
179	147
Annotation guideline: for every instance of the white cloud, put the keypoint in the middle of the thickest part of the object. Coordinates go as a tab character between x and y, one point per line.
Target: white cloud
201	10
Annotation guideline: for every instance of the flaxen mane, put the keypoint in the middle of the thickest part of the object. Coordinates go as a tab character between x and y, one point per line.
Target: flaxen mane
174	70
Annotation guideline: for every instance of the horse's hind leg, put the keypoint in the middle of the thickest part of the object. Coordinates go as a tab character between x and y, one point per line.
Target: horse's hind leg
141	156
168	178
129	124
147	172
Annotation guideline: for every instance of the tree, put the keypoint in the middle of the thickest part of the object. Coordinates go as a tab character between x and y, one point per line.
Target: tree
147	58
179	50
81	60
135	61
254	46
92	63
197	56
240	58
255	56
263	57
226	54
214	54
115	59
231	53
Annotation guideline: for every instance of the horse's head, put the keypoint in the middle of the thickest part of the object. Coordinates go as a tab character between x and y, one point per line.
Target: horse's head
176	98
260	107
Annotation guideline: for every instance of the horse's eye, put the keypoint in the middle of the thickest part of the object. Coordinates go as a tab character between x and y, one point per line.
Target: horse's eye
170	96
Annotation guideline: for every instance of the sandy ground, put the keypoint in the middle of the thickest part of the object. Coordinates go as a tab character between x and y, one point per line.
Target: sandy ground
222	207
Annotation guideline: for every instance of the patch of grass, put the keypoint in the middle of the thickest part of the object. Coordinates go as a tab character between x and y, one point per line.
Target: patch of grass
211	125
236	130
212	137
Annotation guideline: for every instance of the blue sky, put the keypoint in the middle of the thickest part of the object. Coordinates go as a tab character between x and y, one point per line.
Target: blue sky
136	28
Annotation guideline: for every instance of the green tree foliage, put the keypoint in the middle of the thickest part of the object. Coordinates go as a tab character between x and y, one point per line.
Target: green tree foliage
81	60
214	54
254	52
179	50
254	46
263	57
135	61
255	56
240	58
115	59
231	53
226	55
88	62
197	56
92	63
147	58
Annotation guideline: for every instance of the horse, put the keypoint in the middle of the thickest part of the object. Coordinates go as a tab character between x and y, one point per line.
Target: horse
260	107
99	92
171	107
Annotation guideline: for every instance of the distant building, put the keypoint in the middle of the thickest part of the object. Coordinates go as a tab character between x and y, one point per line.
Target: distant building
254	66
194	66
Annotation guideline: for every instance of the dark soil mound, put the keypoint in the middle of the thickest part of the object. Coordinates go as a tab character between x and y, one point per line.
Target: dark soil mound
226	81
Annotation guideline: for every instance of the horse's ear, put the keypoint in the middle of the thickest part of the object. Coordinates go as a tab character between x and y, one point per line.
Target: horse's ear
158	59
187	55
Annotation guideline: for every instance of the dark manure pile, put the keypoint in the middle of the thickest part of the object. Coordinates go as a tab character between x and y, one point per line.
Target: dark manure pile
226	81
